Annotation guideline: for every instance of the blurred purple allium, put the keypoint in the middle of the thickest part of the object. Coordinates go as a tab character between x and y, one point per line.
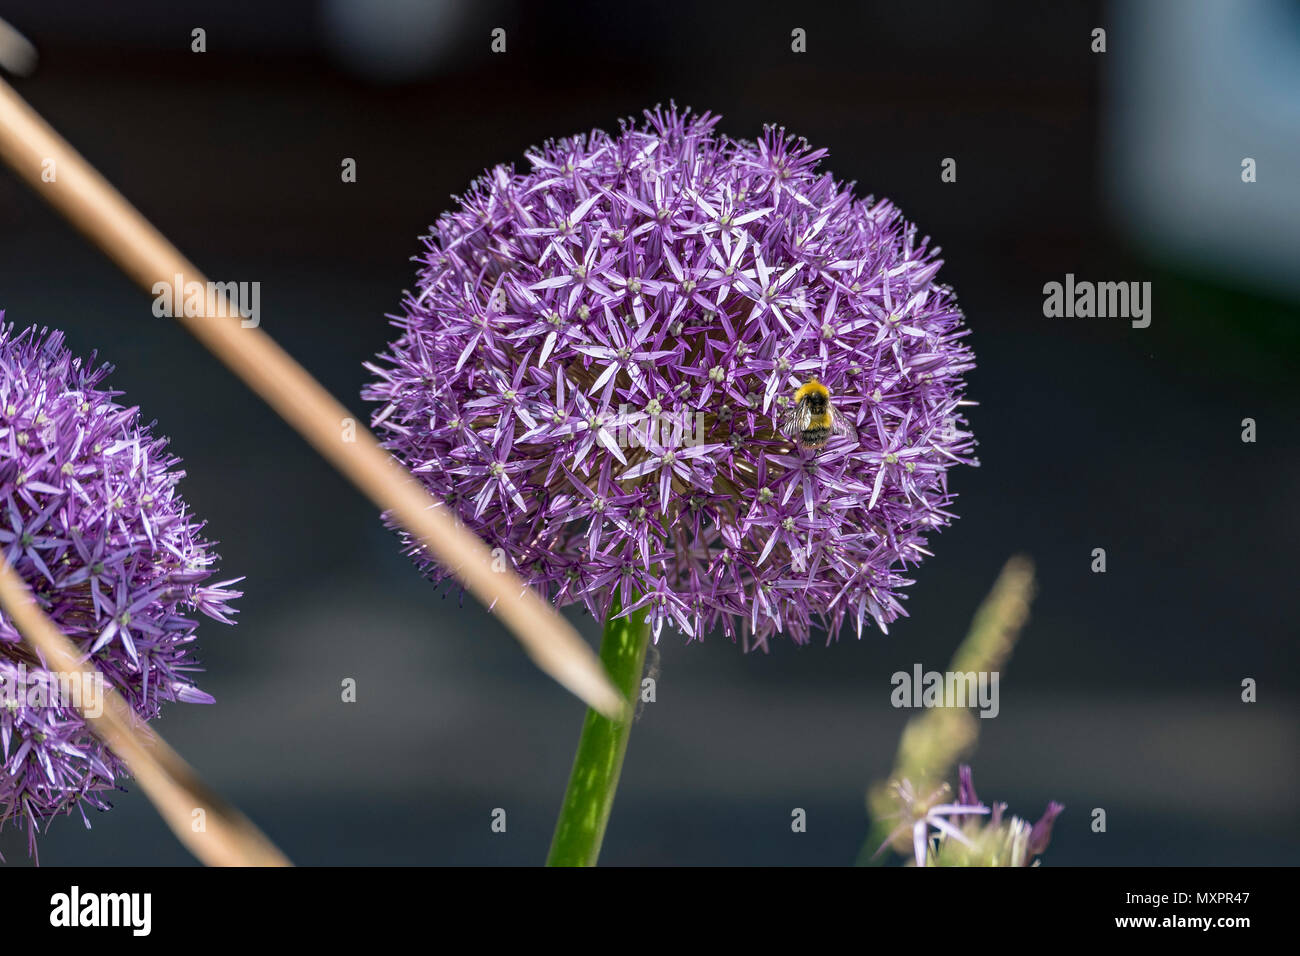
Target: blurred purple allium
968	833
594	363
91	519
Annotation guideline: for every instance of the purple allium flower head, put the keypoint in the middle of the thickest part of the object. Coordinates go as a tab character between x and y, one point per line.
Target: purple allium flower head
967	833
91	519
598	353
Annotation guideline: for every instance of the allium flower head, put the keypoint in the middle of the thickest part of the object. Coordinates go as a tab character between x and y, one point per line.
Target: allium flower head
596	359
968	833
90	518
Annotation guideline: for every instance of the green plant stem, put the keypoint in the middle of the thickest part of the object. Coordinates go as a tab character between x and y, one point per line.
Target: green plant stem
596	768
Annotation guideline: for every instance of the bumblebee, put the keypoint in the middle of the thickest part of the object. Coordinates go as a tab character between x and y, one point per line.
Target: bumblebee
812	420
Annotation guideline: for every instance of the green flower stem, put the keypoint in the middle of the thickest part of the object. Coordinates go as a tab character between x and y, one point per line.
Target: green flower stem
587	801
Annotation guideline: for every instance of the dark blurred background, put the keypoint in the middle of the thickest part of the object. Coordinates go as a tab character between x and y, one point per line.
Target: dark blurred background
1124	692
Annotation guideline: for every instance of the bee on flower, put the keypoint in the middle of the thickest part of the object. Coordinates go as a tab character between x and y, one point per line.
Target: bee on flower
807	370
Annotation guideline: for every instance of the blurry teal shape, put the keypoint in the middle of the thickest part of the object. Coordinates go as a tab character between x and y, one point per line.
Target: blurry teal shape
1193	87
393	40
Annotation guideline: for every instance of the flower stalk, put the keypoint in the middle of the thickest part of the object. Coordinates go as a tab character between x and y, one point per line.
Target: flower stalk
599	762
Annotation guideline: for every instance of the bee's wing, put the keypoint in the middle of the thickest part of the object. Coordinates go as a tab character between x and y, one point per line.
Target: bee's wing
795	420
842	426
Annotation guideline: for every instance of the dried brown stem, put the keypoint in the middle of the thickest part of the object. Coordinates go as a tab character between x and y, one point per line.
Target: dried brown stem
90	203
227	837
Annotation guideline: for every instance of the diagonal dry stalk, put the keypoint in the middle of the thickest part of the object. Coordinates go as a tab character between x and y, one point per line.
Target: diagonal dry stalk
228	838
933	741
91	204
